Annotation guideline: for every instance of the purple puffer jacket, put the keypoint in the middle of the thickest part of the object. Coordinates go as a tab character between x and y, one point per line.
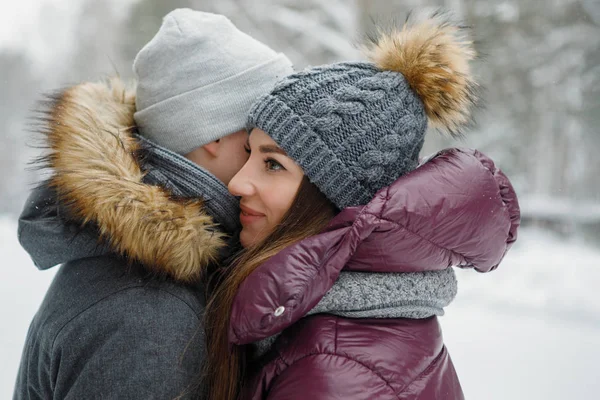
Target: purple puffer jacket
456	209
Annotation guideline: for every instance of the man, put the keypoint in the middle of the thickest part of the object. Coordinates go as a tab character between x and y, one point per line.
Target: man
135	220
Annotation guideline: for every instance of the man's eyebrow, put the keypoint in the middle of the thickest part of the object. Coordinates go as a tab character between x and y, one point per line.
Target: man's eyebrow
269	148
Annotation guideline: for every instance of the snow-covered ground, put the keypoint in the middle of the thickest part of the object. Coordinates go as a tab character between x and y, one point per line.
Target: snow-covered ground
530	330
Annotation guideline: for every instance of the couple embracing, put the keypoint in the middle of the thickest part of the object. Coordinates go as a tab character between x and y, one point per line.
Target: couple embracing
230	228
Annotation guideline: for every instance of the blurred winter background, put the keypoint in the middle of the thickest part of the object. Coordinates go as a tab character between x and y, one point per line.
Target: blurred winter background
531	329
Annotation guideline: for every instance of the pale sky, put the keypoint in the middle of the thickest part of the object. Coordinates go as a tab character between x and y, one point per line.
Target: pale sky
21	25
43	27
15	17
18	19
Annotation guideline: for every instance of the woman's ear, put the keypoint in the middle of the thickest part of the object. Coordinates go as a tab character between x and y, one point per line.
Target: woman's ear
212	148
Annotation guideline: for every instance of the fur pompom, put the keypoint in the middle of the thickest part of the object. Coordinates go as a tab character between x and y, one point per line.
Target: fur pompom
433	54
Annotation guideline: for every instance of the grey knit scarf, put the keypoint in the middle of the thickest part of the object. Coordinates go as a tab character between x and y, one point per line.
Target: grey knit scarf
184	178
414	295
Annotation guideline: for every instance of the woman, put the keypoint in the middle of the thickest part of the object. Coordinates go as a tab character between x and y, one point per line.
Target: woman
348	240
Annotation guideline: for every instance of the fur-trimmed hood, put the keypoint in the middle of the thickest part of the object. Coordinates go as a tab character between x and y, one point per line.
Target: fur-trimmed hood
96	161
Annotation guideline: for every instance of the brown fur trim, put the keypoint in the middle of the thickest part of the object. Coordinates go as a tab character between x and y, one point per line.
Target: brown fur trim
96	174
433	55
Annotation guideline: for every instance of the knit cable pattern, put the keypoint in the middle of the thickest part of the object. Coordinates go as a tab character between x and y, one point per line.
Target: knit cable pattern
352	128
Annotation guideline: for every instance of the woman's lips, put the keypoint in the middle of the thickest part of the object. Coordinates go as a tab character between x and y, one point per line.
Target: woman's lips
248	215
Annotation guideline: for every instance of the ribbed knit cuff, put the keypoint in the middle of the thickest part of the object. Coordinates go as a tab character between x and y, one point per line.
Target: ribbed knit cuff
195	118
414	295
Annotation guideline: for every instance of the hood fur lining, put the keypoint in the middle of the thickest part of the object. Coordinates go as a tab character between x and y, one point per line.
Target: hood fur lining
97	175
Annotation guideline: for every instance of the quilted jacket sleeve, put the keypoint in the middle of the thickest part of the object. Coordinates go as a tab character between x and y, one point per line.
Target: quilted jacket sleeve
329	376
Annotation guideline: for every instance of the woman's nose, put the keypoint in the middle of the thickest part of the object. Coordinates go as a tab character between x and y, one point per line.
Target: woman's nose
240	185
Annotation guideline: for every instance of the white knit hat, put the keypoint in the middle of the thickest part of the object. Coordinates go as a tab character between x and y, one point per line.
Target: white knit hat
198	77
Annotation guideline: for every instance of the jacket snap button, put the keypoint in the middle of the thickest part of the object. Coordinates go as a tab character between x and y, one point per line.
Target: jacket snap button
279	311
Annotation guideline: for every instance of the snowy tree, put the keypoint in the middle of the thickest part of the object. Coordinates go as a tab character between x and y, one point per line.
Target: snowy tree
96	52
539	70
141	24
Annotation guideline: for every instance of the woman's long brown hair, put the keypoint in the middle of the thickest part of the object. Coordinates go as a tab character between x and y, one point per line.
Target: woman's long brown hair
224	368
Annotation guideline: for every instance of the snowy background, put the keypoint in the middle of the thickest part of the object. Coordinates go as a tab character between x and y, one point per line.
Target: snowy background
531	329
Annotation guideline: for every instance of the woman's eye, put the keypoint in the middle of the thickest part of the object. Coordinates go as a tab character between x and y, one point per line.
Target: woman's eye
273	165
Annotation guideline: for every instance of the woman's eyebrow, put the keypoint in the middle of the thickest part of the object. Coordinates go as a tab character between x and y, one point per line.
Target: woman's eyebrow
269	148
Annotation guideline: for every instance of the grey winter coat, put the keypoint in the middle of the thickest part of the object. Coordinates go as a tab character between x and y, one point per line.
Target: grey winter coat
122	318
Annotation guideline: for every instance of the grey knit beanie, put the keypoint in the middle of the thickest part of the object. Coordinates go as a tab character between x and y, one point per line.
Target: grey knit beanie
356	127
197	79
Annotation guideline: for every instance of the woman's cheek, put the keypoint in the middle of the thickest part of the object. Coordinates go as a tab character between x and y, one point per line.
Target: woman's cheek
281	204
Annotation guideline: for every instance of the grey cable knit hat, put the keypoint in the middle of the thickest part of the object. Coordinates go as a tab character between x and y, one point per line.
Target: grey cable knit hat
197	79
356	127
